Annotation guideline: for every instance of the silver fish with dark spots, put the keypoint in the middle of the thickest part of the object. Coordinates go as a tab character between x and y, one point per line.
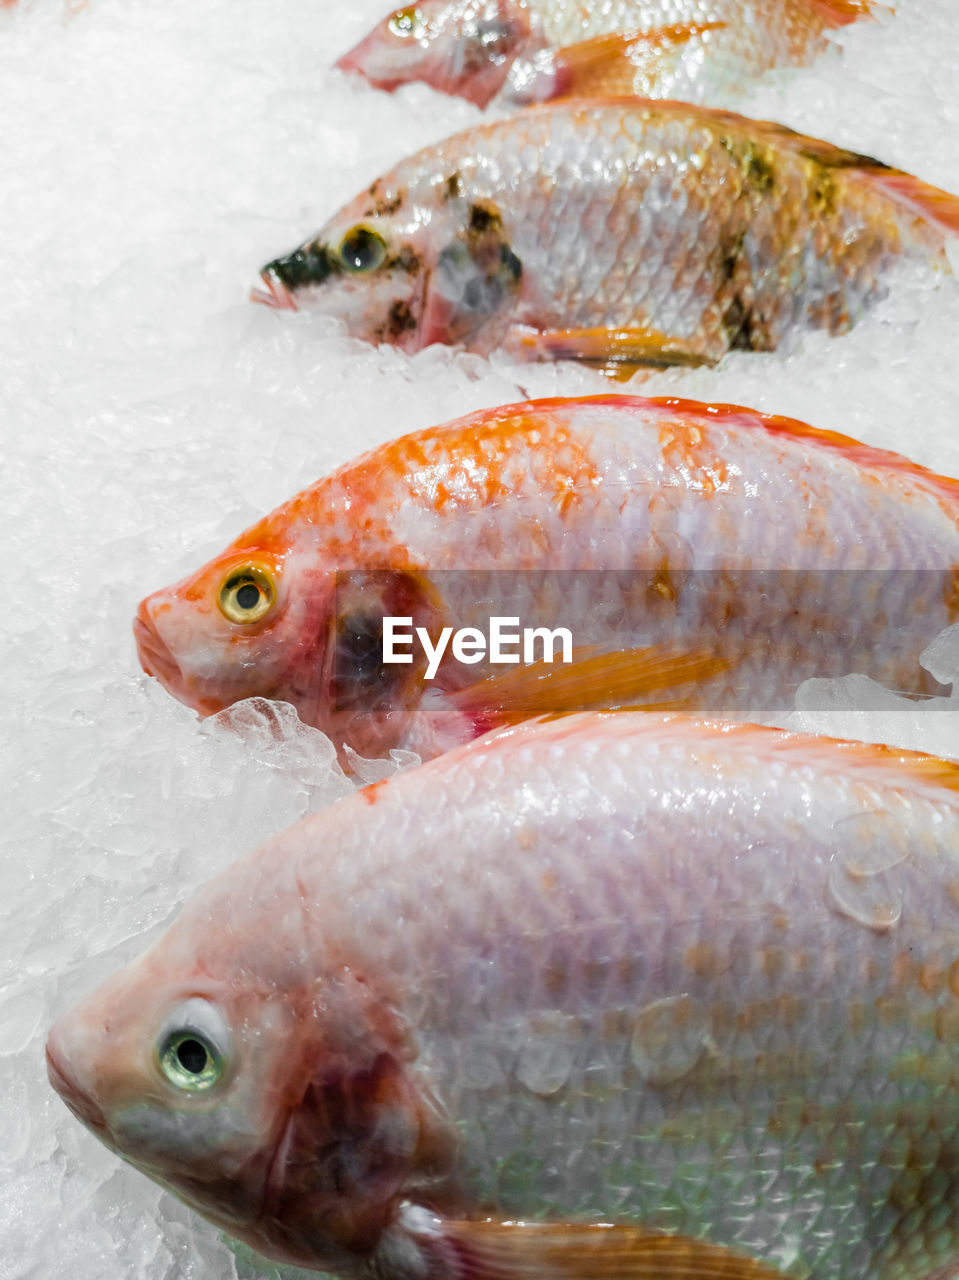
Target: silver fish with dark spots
618	233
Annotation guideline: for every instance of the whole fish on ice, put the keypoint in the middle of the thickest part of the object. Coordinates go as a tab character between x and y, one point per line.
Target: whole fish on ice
741	552
654	973
534	50
620	233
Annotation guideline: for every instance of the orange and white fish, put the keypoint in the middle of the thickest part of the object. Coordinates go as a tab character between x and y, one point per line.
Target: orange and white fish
534	50
512	1013
619	233
741	552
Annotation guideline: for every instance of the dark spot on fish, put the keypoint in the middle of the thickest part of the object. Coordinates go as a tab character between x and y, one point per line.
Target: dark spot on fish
400	320
360	678
382	205
758	171
484	218
823	193
454	186
743	328
310	265
510	262
729	258
407	259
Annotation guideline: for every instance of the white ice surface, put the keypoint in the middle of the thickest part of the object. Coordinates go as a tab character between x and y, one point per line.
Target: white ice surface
153	157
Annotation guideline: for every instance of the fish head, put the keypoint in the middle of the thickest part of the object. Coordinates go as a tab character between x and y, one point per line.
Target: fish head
281	622
176	1070
462	47
271	1094
407	264
245	625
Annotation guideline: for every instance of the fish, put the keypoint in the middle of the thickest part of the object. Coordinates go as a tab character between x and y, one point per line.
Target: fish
624	233
522	51
611	995
702	556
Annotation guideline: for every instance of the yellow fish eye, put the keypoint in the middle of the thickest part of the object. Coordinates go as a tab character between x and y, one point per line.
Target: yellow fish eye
190	1062
361	249
405	22
247	595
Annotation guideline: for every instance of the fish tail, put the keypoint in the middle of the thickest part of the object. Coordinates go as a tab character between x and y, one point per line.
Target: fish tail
938	208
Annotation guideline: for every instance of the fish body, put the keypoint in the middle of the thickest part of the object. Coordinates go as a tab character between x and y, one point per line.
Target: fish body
526	50
782	551
646	971
620	233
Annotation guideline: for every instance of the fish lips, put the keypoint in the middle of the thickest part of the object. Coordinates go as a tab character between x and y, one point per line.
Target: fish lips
155	657
276	295
157	660
76	1100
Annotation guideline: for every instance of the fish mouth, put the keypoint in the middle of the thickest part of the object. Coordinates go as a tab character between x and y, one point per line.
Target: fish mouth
76	1101
155	658
276	295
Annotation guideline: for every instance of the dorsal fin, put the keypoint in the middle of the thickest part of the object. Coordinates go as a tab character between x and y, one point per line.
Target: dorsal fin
839	13
891	767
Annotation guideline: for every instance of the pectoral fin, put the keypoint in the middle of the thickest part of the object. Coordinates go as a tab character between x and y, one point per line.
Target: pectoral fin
569	1251
592	681
621	63
617	352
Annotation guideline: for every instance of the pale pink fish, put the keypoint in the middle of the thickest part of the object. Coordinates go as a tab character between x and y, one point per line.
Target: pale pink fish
620	233
778	551
636	970
533	50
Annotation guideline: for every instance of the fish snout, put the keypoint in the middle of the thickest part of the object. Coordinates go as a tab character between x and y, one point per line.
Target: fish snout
362	60
63	1081
152	650
276	294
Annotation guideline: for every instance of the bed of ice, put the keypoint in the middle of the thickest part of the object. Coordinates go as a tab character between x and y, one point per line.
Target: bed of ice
154	155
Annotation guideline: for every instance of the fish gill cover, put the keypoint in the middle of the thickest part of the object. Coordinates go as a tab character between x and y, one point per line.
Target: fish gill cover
154	156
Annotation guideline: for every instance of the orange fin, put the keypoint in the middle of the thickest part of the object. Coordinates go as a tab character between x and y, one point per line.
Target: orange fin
609	64
614	351
839	13
598	680
862	455
571	1251
933	205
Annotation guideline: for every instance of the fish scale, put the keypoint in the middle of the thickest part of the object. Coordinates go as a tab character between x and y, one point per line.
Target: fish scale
608	957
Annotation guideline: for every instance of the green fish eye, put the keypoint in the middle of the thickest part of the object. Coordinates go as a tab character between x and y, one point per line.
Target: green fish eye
190	1062
404	22
361	249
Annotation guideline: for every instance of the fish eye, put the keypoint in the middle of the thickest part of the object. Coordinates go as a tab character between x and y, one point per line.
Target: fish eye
189	1062
247	594
405	22
361	249
193	1047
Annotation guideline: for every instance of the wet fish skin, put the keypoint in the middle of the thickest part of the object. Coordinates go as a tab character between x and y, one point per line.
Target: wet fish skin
621	233
479	49
629	968
712	524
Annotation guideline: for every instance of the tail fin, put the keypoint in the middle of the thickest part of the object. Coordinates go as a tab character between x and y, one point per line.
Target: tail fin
934	206
840	13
